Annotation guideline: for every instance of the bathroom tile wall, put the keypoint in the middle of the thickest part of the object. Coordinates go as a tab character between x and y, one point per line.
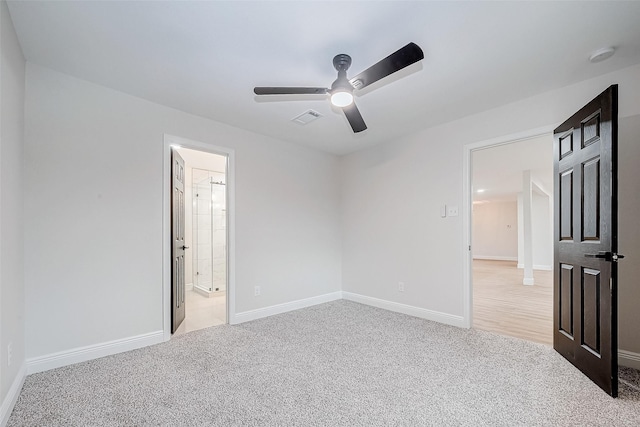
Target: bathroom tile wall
209	233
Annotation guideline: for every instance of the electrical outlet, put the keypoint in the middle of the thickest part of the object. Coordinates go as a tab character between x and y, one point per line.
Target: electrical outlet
452	211
256	291
400	286
9	353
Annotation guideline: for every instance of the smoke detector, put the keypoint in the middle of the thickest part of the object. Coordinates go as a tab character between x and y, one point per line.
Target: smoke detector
602	54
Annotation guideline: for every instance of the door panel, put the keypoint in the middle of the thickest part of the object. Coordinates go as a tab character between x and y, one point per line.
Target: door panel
585	273
591	310
590	200
177	236
566	300
566	205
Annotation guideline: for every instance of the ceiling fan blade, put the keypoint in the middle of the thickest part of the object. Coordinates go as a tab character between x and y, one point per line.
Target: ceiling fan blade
355	118
398	60
290	90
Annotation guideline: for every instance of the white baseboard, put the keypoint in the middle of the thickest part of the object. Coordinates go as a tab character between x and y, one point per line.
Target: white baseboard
539	267
259	313
12	396
629	359
82	354
188	286
496	257
423	313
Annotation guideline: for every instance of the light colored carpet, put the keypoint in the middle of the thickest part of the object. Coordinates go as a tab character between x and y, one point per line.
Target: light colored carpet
336	364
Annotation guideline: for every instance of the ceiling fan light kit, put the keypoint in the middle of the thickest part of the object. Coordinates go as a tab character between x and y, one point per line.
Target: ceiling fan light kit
341	92
341	98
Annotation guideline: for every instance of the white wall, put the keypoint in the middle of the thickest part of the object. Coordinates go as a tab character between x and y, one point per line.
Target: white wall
495	230
542	235
93	203
392	195
11	210
542	227
629	236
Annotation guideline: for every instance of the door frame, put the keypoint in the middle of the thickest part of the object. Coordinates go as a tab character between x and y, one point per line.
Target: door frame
169	141
467	208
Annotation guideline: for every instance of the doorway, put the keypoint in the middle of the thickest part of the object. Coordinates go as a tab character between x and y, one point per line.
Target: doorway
208	236
206	240
511	235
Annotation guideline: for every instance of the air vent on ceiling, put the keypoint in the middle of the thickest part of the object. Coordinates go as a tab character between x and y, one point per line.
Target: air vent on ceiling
307	117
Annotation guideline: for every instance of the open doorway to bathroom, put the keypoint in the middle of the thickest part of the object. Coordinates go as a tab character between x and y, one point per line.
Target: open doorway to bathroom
206	235
512	238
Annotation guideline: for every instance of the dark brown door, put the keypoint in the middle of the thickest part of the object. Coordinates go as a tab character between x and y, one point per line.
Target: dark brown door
177	237
585	248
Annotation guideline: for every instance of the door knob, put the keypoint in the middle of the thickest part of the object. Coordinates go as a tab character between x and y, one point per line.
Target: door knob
185	247
608	256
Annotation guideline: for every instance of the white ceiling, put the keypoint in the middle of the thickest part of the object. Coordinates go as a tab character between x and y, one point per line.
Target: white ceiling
499	170
205	57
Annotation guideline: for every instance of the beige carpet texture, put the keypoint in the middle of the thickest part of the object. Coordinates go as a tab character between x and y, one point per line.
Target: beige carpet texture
335	364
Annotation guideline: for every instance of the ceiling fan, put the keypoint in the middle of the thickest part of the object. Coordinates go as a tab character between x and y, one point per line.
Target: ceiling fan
341	90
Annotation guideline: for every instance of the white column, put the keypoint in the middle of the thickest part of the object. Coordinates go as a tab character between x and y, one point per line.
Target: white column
527	226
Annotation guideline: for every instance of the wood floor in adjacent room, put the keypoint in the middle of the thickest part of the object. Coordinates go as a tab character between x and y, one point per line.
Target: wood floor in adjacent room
502	304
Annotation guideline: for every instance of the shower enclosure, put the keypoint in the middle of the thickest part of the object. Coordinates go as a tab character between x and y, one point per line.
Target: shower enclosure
209	232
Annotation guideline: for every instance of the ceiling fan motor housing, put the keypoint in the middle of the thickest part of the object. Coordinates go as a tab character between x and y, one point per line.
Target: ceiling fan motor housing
341	63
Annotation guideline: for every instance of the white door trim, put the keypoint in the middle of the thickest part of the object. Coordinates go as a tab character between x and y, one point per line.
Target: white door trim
467	175
171	140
